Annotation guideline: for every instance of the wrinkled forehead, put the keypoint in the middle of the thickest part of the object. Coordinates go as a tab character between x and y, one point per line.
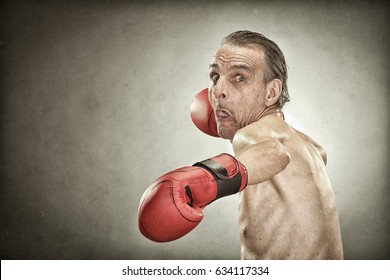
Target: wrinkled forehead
250	55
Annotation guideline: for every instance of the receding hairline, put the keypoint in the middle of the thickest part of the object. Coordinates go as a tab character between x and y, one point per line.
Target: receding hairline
253	46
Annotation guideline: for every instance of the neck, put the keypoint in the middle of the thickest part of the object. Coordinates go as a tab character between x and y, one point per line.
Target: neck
273	109
268	111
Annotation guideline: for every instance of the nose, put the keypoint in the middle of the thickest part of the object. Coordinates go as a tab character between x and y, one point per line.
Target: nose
219	90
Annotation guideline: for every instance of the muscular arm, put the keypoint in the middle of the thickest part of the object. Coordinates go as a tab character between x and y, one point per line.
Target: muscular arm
263	157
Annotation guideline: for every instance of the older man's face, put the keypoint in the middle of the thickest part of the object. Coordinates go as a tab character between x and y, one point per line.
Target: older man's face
237	89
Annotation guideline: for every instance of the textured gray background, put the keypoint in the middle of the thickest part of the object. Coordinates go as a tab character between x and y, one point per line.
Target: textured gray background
95	106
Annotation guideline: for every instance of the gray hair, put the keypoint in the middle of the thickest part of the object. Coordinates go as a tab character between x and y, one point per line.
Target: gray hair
274	59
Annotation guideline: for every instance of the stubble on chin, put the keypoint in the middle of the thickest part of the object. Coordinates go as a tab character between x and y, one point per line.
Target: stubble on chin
227	132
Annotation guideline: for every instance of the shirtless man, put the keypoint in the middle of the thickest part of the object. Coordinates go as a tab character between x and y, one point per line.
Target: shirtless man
287	206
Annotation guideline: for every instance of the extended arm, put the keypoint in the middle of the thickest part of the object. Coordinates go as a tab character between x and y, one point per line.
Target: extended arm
263	157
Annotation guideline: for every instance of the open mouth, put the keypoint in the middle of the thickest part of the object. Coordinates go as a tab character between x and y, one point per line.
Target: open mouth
222	114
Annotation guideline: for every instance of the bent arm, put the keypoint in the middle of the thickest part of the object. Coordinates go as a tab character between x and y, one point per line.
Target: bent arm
263	157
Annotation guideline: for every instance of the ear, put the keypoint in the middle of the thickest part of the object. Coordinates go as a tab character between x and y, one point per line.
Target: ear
273	91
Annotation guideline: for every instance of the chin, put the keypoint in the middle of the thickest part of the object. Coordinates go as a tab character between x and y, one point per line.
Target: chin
227	133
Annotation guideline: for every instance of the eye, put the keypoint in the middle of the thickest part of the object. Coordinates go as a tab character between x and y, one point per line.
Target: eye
239	78
214	77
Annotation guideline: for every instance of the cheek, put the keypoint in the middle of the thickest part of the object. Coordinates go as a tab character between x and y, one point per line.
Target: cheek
249	107
211	100
249	102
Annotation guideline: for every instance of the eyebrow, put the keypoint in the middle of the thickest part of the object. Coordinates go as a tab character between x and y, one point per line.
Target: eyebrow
234	66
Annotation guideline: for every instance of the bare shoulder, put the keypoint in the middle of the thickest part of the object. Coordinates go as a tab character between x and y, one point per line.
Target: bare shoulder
308	139
260	131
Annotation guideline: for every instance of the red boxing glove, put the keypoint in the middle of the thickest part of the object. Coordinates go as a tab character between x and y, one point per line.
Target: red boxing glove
172	206
202	114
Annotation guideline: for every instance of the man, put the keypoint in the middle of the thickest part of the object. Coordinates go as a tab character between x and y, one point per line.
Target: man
288	209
